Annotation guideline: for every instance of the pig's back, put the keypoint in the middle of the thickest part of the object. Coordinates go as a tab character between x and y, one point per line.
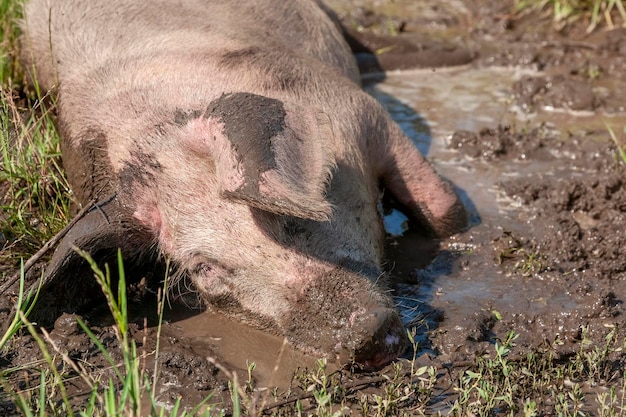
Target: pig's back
91	34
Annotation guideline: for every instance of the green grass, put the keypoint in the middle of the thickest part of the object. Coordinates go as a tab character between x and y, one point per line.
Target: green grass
620	144
34	194
540	381
10	12
25	303
566	11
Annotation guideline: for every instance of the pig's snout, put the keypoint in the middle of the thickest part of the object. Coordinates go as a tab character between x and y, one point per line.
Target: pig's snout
388	338
347	316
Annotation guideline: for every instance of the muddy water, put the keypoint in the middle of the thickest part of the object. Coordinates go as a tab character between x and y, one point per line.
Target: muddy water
430	106
236	346
458	291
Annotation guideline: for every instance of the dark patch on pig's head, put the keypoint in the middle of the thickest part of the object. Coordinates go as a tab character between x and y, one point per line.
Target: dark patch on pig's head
267	154
251	122
182	117
139	170
87	165
233	58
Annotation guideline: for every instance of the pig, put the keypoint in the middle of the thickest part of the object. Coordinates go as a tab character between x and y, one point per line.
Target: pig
233	138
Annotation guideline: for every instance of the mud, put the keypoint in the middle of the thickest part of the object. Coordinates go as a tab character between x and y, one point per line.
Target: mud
521	131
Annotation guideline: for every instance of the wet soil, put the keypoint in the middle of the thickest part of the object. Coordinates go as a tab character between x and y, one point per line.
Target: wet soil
521	131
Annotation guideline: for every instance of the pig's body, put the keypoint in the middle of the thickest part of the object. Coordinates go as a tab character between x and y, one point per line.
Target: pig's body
235	137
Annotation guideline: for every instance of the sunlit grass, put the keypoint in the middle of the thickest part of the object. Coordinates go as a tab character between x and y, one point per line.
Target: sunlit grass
620	143
25	303
10	12
34	193
565	11
542	383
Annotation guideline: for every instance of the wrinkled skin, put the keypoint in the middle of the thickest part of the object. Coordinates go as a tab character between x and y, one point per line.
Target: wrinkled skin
233	138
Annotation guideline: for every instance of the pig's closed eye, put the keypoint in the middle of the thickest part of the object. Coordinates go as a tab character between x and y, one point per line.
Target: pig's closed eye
209	268
202	268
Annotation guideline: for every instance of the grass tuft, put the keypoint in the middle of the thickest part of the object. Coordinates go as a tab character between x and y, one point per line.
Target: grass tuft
10	13
25	303
566	11
621	147
34	193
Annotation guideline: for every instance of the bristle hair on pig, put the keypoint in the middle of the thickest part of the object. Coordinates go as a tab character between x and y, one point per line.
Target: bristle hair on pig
233	138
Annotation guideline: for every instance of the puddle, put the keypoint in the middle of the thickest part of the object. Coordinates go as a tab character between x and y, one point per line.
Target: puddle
450	294
420	101
237	345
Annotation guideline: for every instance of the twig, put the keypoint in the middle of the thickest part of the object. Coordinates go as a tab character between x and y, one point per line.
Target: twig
571	44
346	387
46	247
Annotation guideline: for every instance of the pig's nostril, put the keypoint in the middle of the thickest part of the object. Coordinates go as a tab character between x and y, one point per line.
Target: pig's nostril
388	339
392	339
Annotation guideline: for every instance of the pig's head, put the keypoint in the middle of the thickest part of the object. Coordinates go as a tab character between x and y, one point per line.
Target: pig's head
271	209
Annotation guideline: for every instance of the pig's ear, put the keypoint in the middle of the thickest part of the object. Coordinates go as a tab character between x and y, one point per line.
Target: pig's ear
68	283
270	155
416	185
